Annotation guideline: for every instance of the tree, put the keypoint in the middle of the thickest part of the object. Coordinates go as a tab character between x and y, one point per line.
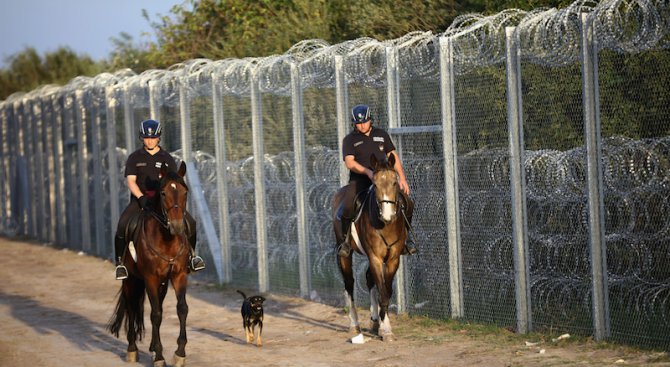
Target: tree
27	70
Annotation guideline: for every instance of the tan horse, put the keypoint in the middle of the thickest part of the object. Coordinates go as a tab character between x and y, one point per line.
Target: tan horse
162	252
380	234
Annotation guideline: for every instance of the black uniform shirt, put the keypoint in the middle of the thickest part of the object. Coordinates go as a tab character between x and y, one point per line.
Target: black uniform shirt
362	147
147	168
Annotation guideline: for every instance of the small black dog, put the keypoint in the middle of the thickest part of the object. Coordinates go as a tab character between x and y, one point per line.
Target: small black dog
252	315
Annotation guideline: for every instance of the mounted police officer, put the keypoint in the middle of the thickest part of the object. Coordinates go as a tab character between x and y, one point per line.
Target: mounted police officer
143	179
357	147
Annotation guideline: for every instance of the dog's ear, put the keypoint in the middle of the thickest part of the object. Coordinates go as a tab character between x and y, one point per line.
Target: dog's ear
262	298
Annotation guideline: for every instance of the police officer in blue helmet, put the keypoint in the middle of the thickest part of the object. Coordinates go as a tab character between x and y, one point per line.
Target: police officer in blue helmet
143	179
357	147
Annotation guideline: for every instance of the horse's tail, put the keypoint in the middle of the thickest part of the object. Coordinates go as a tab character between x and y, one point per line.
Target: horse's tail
131	310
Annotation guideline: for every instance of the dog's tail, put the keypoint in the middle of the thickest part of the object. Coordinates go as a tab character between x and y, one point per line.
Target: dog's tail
242	293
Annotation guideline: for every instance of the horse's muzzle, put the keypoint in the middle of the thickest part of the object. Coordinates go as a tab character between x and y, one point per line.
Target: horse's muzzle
177	227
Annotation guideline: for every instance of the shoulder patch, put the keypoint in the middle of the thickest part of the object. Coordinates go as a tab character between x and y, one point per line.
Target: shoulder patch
358	143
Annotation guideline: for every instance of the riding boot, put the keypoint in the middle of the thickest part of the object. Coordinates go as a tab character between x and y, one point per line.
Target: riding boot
410	246
345	245
195	263
119	245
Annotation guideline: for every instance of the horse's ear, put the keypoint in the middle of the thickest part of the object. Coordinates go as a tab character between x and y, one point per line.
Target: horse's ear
163	170
391	160
373	162
182	169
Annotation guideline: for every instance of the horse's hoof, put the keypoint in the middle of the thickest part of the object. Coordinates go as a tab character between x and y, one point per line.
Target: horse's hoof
160	363
179	361
374	327
131	356
355	330
388	337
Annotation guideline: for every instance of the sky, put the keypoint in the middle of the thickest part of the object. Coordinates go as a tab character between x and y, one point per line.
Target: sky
85	26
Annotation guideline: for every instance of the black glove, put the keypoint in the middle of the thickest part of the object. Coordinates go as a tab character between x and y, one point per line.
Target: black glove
143	201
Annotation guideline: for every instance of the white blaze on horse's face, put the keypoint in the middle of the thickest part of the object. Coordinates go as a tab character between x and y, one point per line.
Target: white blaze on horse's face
387	193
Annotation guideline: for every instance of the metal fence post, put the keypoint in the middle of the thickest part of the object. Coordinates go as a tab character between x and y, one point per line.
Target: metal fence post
221	178
82	162
259	183
598	246
342	114
38	191
450	153
185	116
112	162
154	100
300	181
59	164
518	182
129	121
96	139
393	98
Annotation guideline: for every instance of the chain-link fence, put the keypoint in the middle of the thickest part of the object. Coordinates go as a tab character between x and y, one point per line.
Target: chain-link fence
536	145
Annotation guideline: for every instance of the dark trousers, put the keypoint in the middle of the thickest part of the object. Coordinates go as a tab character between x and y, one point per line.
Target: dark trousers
133	209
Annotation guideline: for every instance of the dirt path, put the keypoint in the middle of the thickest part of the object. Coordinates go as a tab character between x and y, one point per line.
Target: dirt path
54	305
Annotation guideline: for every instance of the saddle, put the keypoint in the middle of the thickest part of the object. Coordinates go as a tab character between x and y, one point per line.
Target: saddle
134	222
359	199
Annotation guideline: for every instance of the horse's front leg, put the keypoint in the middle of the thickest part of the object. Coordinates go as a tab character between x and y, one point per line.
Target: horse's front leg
180	284
379	282
346	268
156	296
389	273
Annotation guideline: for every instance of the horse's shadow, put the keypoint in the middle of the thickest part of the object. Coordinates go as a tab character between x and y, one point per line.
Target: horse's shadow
87	335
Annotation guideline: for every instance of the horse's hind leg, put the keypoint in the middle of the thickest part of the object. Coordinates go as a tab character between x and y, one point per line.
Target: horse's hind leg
133	294
179	283
346	268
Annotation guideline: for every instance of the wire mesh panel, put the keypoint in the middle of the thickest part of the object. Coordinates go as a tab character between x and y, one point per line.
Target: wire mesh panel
427	273
283	252
244	251
555	164
484	196
204	158
635	109
322	163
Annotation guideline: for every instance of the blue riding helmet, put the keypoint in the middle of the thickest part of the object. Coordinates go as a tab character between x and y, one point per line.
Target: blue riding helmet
360	114
150	129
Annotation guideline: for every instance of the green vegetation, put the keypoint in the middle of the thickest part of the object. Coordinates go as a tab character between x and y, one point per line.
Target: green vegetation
219	29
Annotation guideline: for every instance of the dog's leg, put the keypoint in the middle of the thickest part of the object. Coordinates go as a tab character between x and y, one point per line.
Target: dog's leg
259	342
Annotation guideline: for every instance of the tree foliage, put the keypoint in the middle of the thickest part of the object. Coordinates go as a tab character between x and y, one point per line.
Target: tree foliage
28	70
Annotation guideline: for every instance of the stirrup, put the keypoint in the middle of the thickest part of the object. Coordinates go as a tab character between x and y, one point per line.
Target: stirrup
344	249
197	263
121	272
410	248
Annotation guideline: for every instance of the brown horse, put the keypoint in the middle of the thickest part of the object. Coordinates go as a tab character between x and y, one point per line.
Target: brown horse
380	234
162	251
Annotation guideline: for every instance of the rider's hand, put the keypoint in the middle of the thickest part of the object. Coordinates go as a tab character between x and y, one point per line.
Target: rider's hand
404	186
143	201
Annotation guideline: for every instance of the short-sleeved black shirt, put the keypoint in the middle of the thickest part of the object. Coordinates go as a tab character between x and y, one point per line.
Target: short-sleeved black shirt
147	168
362	147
